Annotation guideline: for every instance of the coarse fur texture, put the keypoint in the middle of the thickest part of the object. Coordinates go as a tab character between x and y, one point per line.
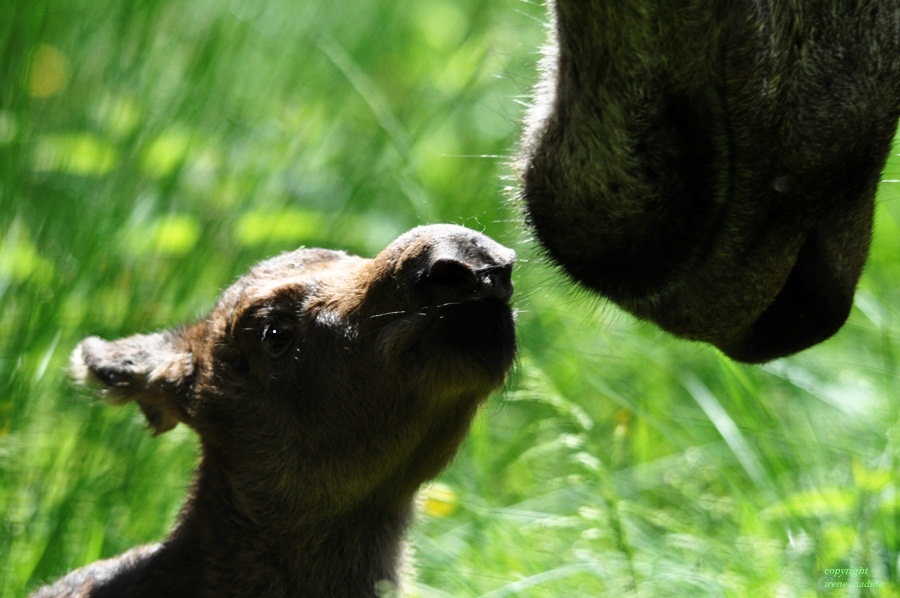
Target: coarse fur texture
711	165
325	388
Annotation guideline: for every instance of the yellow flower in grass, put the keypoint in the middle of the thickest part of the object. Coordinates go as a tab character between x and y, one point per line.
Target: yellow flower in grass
439	500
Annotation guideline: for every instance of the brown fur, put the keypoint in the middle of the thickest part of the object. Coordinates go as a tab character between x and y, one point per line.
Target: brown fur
711	165
325	389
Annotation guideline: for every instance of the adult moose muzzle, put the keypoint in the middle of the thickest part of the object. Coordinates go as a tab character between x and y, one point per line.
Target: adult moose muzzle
711	165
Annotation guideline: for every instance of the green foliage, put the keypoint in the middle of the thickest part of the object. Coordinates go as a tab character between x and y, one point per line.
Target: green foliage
151	150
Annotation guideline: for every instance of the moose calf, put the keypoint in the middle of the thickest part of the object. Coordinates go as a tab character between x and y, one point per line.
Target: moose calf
326	388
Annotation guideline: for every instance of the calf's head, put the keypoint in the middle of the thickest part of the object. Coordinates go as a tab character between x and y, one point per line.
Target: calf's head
321	379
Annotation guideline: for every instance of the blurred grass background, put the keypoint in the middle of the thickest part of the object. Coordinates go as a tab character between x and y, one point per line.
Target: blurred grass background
151	150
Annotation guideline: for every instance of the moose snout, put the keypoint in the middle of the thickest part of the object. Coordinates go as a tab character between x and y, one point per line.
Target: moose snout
484	281
464	264
446	263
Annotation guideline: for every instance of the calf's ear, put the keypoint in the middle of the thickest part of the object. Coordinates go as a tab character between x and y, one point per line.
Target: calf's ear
153	370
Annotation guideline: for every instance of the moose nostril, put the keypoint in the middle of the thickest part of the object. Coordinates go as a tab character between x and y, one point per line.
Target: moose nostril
496	282
451	272
479	281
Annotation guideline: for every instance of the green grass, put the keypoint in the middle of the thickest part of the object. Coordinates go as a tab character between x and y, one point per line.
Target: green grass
151	150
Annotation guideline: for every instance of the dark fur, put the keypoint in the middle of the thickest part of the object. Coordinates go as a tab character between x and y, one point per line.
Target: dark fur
313	443
710	165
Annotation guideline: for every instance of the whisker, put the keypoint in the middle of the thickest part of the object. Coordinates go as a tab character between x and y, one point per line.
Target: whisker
387	313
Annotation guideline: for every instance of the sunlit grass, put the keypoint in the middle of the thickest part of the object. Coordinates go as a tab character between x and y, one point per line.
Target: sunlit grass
150	151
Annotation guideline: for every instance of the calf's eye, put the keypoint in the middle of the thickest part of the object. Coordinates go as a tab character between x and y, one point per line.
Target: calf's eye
278	336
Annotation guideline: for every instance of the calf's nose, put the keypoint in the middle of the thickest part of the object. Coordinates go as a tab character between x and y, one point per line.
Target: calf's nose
466	265
450	263
485	279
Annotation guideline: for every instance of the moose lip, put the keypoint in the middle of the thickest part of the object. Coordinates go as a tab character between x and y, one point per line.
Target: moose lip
811	305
